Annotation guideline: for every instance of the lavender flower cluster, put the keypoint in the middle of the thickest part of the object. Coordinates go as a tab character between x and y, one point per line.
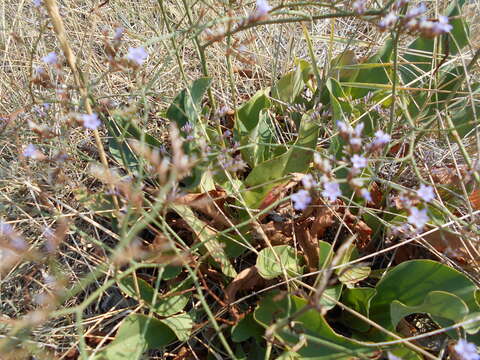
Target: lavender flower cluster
414	20
357	155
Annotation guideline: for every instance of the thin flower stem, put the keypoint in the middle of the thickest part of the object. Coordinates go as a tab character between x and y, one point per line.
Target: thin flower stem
59	29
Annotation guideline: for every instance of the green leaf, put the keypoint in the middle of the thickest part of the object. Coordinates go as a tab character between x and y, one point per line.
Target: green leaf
420	51
325	254
163	306
253	129
271	262
181	325
357	299
354	274
245	329
186	106
120	130
273	172
438	304
289	86
343	66
374	71
464	118
340	111
137	334
334	292
322	342
208	237
473	327
409	283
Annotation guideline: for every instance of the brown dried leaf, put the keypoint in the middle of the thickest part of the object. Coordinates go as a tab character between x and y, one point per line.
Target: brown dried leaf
210	204
475	199
278	233
247	279
376	195
280	190
359	227
448	175
324	218
309	243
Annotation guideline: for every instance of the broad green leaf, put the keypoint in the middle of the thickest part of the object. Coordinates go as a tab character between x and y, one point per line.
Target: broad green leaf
342	69
163	306
404	353
322	342
137	334
357	299
129	129
120	150
180	324
438	304
208	237
120	130
273	172
289	86
253	129
186	106
473	327
271	262
245	329
325	254
354	274
420	51
463	118
374	71
409	283
334	292
340	112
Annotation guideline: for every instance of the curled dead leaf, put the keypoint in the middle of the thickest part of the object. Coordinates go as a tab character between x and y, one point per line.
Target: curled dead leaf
359	227
309	243
210	204
280	190
247	279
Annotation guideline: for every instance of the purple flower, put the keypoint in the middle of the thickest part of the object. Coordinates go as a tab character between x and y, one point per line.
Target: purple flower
5	229
37	3
187	128
359	6
356	142
118	33
366	195
262	8
332	190
359	129
308	182
426	193
31	151
301	199
381	138
359	161
400	3
343	127
416	11
393	357
50	59
442	26
418	218
388	20
137	55
466	350
90	121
